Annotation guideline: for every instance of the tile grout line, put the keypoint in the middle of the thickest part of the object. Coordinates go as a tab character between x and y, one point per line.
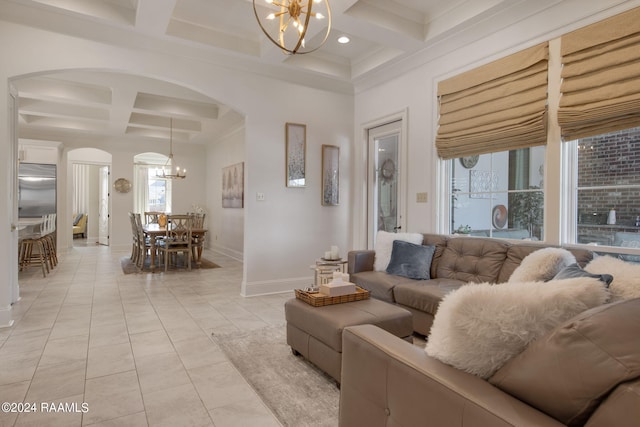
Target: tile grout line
176	350
86	365
135	365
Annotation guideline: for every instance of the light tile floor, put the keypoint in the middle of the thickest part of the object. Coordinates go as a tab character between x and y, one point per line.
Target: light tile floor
135	348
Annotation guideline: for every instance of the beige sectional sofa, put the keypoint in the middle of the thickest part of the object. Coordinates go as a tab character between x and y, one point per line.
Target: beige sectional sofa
584	372
457	260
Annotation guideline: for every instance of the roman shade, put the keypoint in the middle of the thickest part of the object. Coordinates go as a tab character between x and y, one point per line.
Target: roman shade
496	107
601	77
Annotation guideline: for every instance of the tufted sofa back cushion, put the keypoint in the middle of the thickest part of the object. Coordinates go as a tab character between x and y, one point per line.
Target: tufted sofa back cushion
472	259
440	242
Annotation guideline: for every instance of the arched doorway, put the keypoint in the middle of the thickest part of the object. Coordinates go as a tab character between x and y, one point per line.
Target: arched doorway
88	170
125	115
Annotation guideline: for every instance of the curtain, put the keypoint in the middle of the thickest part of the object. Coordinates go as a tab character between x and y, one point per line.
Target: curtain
80	178
601	77
168	195
140	188
497	107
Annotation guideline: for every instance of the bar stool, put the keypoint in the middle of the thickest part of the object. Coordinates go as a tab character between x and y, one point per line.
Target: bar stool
27	256
49	240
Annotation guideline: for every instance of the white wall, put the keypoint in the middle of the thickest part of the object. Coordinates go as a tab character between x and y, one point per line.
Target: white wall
289	230
416	91
226	225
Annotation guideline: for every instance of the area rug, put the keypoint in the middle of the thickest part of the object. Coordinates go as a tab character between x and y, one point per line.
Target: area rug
129	267
297	392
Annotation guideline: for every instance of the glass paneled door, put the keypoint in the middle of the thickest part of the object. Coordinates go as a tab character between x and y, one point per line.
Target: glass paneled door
384	183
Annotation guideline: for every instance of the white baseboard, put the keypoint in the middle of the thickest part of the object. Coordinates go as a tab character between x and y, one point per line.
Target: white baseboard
5	317
231	253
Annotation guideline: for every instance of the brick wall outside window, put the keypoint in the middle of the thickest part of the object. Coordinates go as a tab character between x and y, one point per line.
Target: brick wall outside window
611	160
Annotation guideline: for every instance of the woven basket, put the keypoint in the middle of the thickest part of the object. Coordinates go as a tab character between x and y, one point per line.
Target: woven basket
317	299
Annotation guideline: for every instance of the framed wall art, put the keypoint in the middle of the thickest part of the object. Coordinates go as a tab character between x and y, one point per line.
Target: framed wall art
233	186
296	152
330	175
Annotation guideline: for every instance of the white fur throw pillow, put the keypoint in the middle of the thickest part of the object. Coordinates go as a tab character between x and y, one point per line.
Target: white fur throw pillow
384	246
542	265
626	276
479	327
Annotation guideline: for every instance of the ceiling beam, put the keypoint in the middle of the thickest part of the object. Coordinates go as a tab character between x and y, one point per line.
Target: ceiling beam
153	16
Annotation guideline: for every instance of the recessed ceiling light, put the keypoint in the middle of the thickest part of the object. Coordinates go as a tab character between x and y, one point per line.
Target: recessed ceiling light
343	39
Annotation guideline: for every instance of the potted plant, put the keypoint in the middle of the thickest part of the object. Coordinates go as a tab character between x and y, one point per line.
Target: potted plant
463	229
526	210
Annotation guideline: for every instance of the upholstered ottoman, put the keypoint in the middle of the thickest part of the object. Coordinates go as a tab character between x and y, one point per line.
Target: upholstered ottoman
316	332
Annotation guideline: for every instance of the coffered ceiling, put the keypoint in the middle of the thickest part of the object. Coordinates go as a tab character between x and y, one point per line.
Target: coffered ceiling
383	34
95	106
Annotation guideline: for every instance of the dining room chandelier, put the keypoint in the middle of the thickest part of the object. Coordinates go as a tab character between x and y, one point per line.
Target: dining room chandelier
295	26
172	173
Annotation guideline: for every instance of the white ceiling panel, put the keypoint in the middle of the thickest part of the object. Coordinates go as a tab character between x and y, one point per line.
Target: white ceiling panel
121	11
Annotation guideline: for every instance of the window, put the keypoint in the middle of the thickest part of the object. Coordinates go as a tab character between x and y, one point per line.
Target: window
159	188
599	110
501	105
499	194
607	191
593	188
151	193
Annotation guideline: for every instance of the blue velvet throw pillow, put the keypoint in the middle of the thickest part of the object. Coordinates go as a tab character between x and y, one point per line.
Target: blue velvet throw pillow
411	260
574	270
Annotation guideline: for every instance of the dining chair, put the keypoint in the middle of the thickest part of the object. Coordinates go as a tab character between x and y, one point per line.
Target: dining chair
197	240
143	244
178	239
134	238
152	217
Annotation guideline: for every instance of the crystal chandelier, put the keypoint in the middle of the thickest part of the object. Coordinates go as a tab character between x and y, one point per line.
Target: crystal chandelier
286	23
168	166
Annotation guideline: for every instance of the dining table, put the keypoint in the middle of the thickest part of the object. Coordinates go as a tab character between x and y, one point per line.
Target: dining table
153	231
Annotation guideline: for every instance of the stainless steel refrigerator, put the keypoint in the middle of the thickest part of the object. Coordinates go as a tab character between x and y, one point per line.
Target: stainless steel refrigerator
36	190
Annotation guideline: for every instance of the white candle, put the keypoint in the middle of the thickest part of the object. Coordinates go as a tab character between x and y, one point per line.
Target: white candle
327	255
334	252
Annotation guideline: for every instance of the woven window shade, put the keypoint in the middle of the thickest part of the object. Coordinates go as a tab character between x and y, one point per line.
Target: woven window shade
601	77
497	107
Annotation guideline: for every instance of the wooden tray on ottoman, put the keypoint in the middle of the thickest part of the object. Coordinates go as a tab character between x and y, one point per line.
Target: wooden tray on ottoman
317	299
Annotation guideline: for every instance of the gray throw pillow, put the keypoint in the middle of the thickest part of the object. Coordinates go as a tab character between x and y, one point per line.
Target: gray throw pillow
77	220
574	270
411	260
